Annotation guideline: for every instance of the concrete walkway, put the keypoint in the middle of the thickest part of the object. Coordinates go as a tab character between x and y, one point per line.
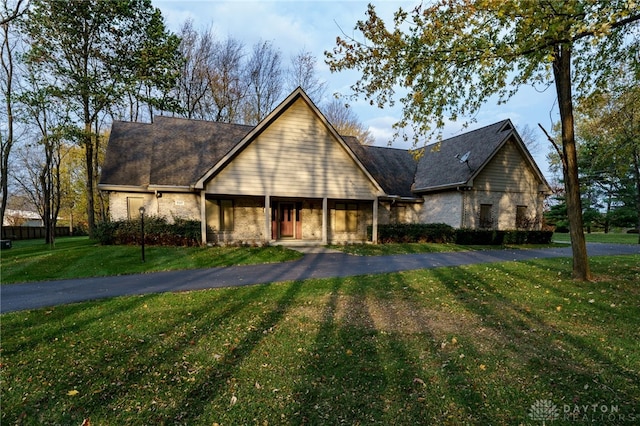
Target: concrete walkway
314	264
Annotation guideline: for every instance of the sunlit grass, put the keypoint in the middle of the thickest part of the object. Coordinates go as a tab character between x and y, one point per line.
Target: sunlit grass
411	248
80	257
469	345
600	237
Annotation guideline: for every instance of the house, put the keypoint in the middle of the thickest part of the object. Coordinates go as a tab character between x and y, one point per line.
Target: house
22	218
294	178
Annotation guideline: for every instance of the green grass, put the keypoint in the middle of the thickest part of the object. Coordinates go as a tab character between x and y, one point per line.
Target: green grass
78	257
410	248
401	248
600	237
469	345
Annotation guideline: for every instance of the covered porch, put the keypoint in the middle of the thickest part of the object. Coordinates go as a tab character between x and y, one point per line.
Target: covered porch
228	219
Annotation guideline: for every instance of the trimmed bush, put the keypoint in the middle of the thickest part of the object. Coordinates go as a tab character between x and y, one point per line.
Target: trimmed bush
415	233
493	237
157	231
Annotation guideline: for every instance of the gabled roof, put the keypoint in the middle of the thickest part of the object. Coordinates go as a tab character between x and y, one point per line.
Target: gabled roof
457	161
182	155
277	112
184	150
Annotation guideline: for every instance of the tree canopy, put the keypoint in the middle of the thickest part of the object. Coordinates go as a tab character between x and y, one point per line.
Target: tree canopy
451	56
90	53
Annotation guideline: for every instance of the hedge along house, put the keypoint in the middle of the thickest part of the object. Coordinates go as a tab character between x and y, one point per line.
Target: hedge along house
293	178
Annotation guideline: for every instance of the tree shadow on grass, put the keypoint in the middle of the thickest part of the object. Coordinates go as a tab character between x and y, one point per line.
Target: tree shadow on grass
543	358
376	358
125	372
197	398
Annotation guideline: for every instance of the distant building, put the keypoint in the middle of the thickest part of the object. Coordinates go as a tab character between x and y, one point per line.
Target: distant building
22	218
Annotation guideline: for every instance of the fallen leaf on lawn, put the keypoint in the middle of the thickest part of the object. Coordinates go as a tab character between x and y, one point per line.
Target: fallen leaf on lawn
73	392
234	400
483	367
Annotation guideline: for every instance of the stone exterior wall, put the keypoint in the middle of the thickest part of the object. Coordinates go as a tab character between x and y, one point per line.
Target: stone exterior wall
442	207
177	205
311	215
169	205
503	210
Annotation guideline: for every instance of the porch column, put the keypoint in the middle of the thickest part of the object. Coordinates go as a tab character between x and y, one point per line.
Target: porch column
203	218
325	221
267	217
374	227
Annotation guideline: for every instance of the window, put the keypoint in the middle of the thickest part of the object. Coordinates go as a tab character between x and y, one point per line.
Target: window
346	217
486	221
521	217
220	214
133	207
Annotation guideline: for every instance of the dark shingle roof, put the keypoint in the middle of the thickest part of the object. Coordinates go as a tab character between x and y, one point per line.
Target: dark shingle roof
178	152
393	169
440	168
184	150
128	158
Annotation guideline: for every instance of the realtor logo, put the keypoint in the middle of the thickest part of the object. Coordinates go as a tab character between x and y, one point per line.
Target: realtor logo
544	410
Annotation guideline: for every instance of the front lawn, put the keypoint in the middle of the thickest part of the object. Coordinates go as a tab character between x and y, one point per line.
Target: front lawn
599	237
484	344
79	257
410	248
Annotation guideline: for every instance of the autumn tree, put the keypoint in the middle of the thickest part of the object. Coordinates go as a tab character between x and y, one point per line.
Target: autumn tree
87	51
192	86
227	87
39	176
12	10
155	68
450	56
608	129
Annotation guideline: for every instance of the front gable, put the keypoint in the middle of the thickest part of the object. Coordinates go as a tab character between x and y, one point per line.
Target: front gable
508	171
295	153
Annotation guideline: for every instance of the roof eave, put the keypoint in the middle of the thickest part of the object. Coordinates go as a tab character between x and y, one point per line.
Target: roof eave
401	198
123	188
171	188
455	185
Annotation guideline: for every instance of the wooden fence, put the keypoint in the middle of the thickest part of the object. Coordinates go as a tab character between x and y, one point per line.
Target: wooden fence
30	232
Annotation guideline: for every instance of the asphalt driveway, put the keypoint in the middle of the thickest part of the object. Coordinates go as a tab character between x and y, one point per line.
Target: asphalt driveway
16	297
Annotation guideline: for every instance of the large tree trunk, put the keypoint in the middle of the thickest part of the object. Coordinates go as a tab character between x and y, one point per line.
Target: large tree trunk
562	74
636	177
7	65
88	151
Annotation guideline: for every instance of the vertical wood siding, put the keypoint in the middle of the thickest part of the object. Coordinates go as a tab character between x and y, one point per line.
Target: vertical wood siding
296	156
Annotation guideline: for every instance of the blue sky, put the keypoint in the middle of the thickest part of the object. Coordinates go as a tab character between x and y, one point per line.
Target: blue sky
313	26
